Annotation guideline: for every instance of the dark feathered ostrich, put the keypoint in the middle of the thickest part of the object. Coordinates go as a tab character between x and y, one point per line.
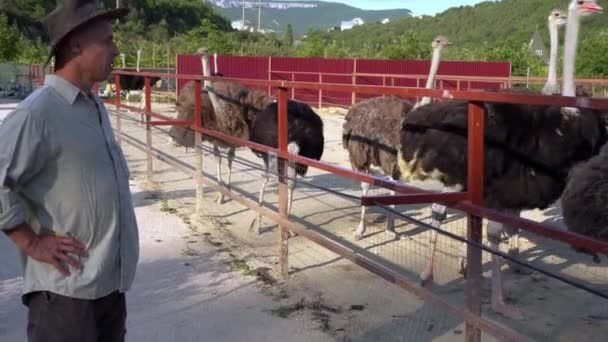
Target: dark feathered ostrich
584	199
235	123
304	138
529	152
370	133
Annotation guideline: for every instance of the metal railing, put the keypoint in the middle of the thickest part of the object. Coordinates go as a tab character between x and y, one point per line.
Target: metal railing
470	201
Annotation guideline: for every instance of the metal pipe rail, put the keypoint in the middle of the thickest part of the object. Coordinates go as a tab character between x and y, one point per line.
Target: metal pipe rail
470	201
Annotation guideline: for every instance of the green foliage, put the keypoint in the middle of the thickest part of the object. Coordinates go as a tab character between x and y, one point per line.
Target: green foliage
489	31
9	39
288	40
409	46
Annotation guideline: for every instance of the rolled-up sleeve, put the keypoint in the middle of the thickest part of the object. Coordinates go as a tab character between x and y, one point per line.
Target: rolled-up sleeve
23	154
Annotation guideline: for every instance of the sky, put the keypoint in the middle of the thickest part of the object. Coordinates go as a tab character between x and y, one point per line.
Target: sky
419	7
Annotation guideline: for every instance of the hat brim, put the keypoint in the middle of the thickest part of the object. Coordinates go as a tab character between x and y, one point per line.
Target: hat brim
116	13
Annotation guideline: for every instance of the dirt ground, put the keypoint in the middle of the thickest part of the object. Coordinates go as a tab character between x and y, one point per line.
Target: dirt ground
346	302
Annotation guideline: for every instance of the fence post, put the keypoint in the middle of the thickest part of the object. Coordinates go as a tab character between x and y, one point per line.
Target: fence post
293	90
320	91
474	229
354	95
118	110
198	140
283	231
269	74
148	128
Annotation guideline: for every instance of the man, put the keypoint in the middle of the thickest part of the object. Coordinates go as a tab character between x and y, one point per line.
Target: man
64	188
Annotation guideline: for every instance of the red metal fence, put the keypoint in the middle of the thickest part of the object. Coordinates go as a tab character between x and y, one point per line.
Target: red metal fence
470	201
348	72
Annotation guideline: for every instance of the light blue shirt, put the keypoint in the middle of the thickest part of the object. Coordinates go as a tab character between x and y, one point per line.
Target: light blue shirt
61	169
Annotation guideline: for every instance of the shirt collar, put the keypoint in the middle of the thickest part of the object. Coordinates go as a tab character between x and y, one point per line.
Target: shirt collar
66	89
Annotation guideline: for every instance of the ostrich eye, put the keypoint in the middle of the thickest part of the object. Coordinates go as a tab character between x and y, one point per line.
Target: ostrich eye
556	14
580	2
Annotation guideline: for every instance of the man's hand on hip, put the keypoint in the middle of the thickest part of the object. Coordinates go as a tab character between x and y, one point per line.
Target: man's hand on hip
48	248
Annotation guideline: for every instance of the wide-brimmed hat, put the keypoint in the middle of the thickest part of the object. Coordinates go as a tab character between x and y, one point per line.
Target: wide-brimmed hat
72	14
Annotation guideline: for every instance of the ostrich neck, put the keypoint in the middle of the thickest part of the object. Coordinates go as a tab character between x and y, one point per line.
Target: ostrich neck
552	74
208	85
430	82
569	88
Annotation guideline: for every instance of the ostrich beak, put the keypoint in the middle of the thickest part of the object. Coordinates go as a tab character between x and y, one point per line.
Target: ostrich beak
592	8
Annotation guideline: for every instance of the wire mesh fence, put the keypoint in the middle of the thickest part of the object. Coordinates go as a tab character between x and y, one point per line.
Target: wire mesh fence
552	309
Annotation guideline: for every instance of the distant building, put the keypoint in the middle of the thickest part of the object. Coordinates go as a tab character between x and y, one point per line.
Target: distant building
238	25
347	25
385	21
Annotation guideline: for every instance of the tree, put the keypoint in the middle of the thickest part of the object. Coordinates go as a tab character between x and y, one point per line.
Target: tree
288	39
9	40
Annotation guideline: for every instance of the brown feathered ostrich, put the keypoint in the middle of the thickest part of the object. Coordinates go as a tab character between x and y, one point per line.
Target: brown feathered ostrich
371	128
235	123
529	152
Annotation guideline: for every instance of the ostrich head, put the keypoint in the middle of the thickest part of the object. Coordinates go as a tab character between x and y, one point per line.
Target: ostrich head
584	8
440	42
558	18
204	53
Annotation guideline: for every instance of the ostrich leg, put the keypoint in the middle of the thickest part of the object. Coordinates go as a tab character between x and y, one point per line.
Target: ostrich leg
361	228
437	217
218	158
271	164
390	220
495	230
513	236
292	148
230	158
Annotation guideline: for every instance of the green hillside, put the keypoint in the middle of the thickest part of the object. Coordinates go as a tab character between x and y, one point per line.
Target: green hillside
325	16
487	23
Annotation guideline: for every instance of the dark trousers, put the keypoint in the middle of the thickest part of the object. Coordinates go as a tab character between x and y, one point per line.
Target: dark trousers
55	318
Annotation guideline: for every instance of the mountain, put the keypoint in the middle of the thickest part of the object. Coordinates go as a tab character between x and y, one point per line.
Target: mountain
302	15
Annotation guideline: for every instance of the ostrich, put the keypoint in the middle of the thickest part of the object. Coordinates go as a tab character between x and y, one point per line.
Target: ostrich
304	138
305	128
584	199
234	123
529	152
371	132
557	19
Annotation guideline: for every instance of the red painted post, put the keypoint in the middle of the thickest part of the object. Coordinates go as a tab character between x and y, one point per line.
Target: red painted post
198	139
293	90
118	110
282	134
474	229
148	127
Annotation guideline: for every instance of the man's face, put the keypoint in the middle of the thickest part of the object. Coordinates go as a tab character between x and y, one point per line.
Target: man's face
98	50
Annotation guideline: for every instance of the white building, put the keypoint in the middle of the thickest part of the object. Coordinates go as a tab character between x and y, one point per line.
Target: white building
238	25
347	25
